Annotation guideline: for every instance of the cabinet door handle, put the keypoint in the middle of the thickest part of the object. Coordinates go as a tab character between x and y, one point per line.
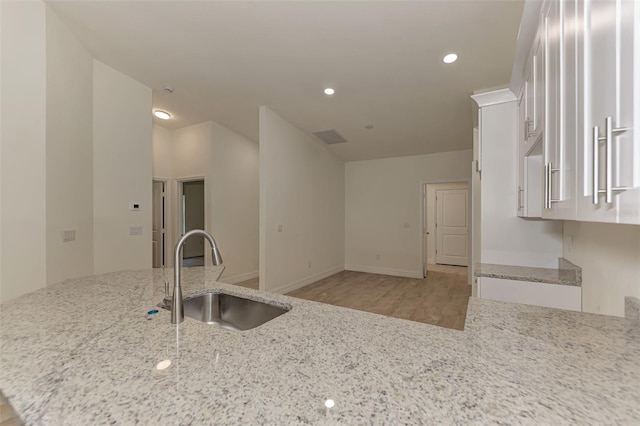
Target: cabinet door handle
548	193
608	190
547	178
596	161
608	172
520	198
529	132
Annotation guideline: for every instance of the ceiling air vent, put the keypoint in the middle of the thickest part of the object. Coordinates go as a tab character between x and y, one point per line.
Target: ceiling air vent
330	137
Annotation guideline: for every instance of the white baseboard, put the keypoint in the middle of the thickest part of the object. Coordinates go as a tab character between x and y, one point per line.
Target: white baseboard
475	290
306	281
239	278
385	271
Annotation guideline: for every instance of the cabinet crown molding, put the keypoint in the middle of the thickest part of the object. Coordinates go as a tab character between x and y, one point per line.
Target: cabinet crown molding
494	97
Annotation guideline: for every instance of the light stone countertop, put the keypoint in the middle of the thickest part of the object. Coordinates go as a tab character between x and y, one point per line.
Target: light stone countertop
566	274
82	352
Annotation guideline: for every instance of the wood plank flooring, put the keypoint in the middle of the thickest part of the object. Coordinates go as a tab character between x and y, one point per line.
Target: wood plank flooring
253	283
7	416
440	299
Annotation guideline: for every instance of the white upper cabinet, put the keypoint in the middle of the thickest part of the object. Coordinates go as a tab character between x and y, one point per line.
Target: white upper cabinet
609	141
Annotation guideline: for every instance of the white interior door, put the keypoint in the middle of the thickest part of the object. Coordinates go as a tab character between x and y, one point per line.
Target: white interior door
452	222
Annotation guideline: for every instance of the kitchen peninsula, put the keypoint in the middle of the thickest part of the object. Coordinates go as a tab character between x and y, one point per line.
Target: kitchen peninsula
83	352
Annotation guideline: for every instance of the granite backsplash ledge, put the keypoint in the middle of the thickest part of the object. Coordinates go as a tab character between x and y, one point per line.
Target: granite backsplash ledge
566	274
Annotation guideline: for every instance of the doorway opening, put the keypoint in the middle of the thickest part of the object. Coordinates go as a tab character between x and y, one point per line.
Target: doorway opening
191	206
159	219
445	226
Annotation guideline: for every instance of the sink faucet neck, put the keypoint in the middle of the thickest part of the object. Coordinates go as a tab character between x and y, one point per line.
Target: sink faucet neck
177	305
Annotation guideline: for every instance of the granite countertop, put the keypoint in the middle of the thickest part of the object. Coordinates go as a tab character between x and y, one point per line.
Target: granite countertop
82	352
566	274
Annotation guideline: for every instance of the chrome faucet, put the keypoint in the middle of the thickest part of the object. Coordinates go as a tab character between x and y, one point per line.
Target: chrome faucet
177	305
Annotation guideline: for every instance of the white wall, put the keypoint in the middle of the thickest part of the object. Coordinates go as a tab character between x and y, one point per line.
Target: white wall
122	170
23	159
191	148
301	189
384	195
190	158
162	152
506	238
229	164
431	215
69	153
234	202
609	255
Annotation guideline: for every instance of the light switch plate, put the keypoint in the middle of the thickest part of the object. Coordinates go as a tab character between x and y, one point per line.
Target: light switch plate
135	230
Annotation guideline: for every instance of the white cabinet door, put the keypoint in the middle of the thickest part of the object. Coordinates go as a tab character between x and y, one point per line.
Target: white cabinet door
534	92
532	107
552	151
560	102
609	145
538	90
521	152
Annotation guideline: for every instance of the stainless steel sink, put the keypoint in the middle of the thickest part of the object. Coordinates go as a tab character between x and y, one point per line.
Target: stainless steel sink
229	311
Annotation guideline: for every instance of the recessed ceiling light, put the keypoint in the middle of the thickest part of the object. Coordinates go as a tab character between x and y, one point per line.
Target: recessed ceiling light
163	115
329	91
450	58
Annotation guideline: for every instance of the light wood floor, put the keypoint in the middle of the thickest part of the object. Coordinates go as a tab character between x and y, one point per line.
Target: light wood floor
7	416
253	283
440	299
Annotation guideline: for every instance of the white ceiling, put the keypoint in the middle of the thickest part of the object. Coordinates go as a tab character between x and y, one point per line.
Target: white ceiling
383	58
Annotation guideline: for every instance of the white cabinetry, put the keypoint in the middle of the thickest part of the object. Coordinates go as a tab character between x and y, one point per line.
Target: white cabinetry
585	54
531	293
504	238
609	145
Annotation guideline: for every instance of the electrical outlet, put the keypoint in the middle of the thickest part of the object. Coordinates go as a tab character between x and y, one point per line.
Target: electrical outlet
135	230
68	235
